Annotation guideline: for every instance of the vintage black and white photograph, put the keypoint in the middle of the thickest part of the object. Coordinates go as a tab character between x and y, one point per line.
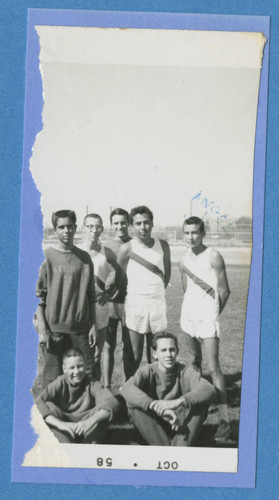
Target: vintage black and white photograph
144	164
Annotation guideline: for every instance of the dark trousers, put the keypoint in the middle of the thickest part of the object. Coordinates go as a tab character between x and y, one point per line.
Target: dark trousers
53	356
94	436
157	432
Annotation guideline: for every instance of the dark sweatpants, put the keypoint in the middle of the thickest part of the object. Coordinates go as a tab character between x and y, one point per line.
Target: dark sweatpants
158	432
94	436
53	356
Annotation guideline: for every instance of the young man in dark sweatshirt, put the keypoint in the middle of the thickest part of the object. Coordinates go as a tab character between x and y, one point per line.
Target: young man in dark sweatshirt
167	402
66	313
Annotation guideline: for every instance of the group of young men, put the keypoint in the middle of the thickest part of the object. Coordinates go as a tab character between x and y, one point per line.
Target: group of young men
85	291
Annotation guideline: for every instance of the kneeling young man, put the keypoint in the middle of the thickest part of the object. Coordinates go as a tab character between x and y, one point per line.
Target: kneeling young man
76	409
167	402
206	292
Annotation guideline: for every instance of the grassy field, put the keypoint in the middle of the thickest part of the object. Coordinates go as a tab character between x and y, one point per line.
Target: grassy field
231	347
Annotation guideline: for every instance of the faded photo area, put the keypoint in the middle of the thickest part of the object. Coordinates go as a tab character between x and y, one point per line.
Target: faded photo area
164	119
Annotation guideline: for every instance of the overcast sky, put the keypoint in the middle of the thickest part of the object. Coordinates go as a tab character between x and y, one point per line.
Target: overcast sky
146	131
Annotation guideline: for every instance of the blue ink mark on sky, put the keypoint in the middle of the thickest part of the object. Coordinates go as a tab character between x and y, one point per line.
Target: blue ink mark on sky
211	208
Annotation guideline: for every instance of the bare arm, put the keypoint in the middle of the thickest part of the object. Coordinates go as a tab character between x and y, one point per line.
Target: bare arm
167	261
42	326
111	289
93	334
183	276
41	293
122	263
218	264
110	257
41	320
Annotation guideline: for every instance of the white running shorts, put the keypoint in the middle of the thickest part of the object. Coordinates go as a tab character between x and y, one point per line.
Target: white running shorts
145	314
200	329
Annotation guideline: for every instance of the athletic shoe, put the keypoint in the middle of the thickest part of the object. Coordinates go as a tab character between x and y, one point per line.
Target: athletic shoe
223	433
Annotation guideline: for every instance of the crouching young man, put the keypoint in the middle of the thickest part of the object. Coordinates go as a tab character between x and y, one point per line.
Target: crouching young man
77	409
167	402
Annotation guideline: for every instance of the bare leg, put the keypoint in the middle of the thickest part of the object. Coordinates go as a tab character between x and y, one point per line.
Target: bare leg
97	353
211	351
125	352
194	349
211	347
132	351
109	348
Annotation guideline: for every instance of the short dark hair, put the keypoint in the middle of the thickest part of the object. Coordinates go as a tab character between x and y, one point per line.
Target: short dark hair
61	214
163	335
141	209
72	351
119	211
194	220
95	216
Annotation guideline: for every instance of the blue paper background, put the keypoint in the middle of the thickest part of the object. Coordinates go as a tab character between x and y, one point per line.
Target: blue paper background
13	44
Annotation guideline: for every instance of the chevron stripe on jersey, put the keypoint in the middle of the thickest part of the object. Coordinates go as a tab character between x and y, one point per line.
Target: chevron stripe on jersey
202	284
148	265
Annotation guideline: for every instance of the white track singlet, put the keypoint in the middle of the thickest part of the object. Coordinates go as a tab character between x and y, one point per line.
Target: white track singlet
101	272
142	281
201	300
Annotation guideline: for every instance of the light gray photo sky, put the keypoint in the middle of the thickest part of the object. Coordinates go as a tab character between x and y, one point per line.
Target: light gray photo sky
136	117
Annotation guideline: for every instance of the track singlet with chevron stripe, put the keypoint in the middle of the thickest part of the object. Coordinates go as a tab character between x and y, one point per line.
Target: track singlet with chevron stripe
141	280
201	297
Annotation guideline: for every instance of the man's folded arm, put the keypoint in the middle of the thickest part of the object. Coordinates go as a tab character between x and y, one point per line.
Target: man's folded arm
133	392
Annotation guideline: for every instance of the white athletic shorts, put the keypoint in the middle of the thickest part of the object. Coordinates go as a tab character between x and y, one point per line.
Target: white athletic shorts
102	316
116	310
145	314
200	329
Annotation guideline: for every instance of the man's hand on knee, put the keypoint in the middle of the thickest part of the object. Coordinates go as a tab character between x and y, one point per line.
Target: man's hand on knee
170	417
85	426
159	406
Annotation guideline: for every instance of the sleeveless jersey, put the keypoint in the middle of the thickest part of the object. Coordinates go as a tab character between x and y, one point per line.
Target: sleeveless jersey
113	246
101	267
141	280
201	300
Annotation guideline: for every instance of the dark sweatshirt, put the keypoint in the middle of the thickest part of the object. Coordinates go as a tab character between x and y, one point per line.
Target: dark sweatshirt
75	401
149	383
66	288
